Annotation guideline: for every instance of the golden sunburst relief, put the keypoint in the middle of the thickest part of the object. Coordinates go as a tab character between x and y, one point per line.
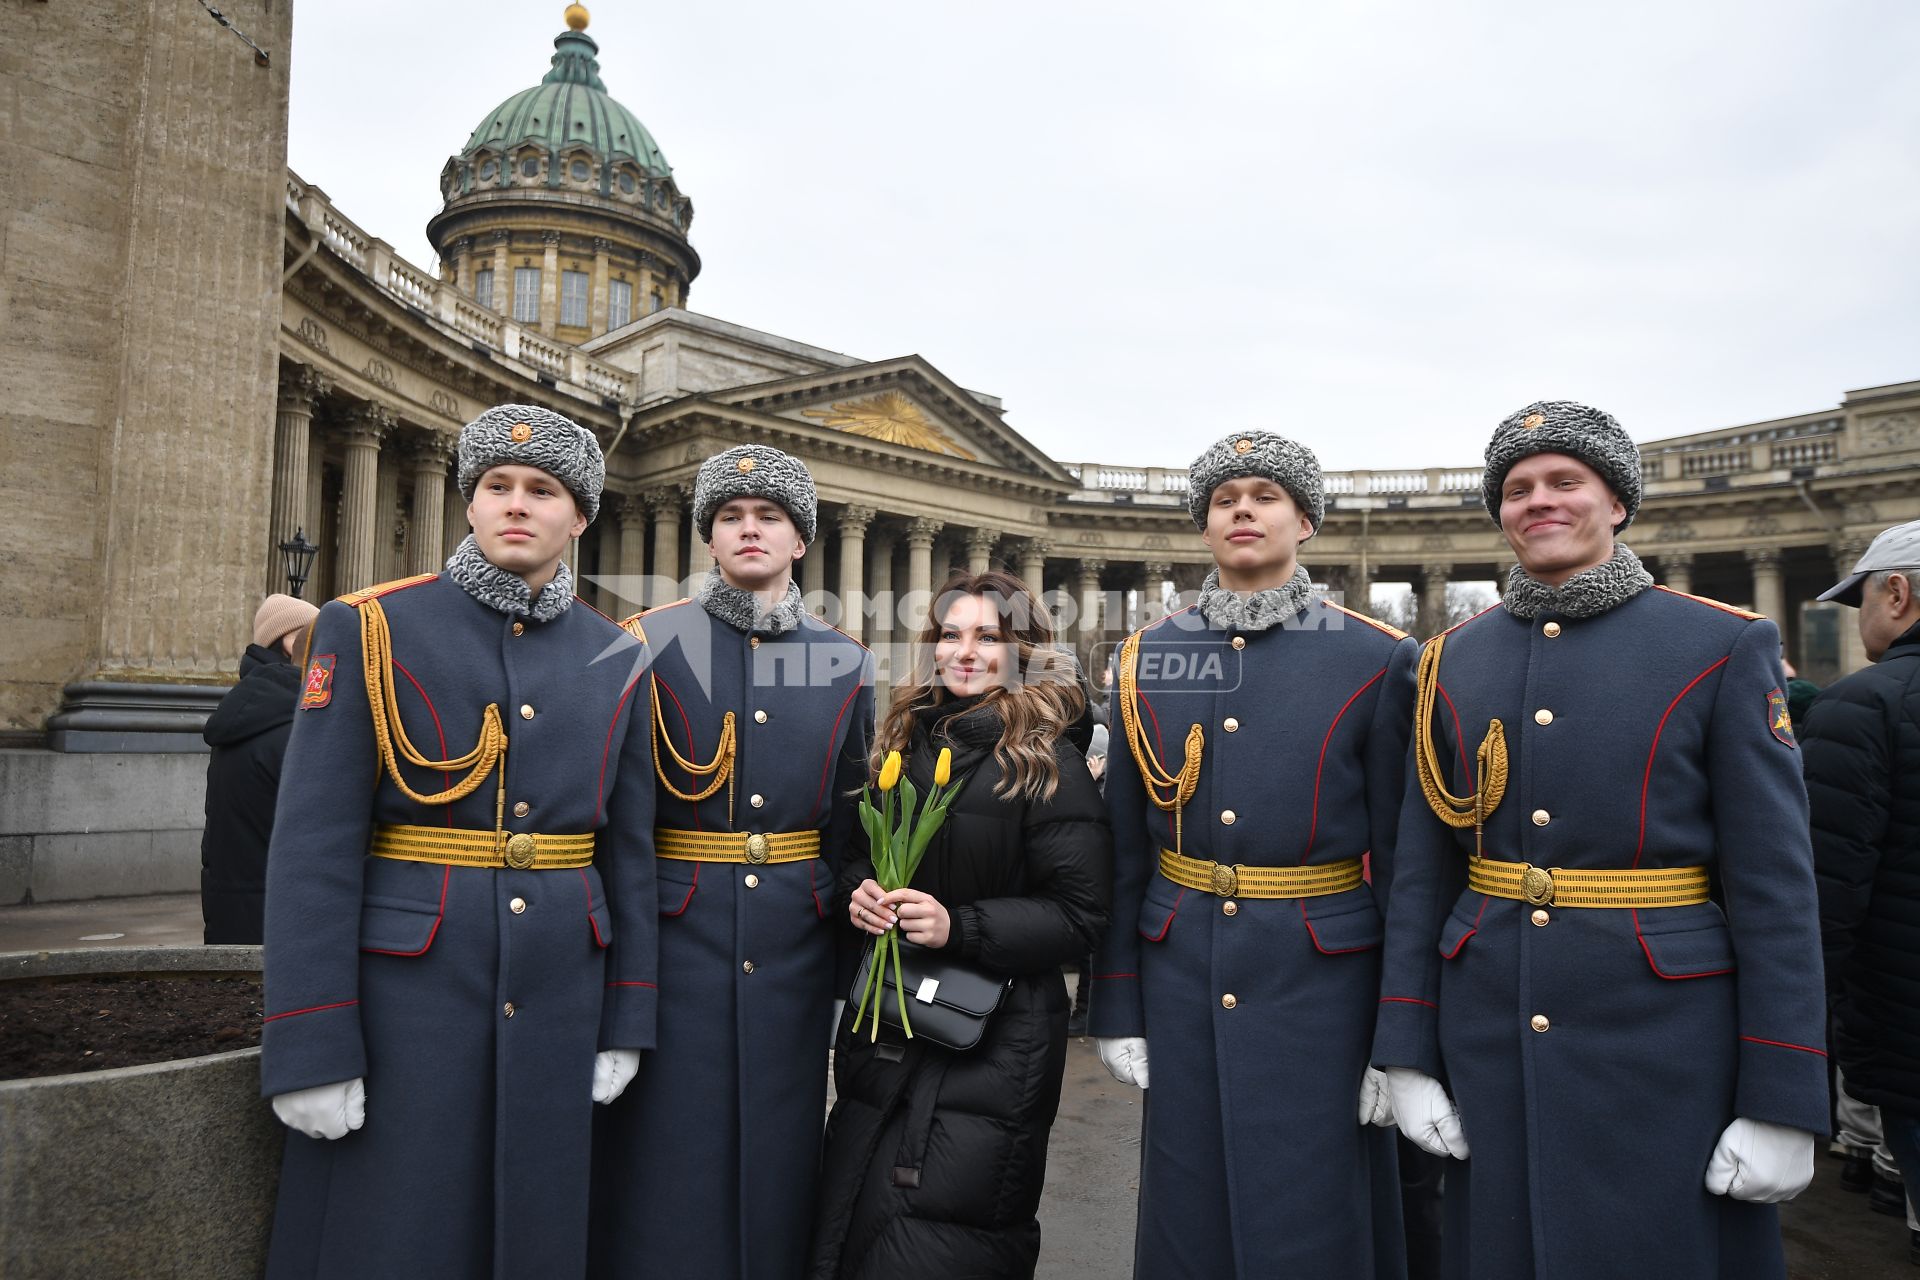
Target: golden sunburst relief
890	417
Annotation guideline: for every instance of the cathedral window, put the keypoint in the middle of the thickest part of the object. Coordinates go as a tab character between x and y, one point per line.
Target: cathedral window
483	287
573	298
578	171
526	294
619	303
655	303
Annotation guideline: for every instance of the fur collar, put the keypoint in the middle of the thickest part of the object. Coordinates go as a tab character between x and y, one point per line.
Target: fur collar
494	587
1257	611
740	609
1586	594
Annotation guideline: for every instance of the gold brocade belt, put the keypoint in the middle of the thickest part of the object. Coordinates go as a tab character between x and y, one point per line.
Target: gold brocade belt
756	847
1557	887
522	851
1237	880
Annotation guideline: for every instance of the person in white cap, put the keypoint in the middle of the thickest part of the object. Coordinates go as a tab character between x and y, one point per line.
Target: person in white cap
1862	746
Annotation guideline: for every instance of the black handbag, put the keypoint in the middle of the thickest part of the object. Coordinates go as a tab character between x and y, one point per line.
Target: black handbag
948	1001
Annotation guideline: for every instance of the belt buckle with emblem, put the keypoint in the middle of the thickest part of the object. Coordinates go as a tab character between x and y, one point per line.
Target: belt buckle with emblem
757	849
1536	883
1226	881
520	851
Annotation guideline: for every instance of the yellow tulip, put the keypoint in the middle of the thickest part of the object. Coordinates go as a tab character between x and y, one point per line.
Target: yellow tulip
943	770
890	771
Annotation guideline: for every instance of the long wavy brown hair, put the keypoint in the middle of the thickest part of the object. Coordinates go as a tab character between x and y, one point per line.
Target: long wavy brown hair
1038	700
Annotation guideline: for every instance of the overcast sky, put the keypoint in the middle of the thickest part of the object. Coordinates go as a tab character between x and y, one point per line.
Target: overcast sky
1378	227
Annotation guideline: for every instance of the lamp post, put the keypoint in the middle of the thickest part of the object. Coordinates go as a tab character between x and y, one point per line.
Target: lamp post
298	554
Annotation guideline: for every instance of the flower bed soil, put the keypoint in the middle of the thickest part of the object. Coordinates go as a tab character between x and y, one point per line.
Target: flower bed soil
55	1026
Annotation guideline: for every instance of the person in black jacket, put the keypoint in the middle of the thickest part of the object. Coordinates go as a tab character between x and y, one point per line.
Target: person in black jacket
248	736
1862	762
935	1158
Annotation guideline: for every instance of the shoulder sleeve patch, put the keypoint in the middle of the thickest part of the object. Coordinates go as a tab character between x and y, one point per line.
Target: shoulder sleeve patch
319	687
1778	718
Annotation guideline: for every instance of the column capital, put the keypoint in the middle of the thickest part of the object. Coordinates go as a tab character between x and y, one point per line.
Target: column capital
369	423
629	510
301	385
431	450
463	244
1847	553
602	245
1763	558
922	530
664	499
981	542
1035	549
1675	559
1441	569
550	237
1091	567
502	236
1157	569
853	521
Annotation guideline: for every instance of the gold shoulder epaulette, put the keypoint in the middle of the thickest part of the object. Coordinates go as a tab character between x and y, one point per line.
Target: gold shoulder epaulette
671	604
1375	623
354	599
1724	608
856	639
631	625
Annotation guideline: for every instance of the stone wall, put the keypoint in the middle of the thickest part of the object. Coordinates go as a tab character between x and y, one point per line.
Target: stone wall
140	258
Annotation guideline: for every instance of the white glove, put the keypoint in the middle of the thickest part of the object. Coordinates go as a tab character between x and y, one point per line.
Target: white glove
613	1070
1763	1162
1125	1059
1376	1100
325	1111
1425	1114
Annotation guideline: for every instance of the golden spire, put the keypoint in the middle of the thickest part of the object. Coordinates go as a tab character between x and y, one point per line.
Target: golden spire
576	17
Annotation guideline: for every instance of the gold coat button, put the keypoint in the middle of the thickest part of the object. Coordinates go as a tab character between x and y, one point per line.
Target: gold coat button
1226	816
526	711
1229	908
1231	725
519	628
517	906
757	802
1539	1022
759	717
1551	630
522	809
1227	1001
1540	916
753	881
1543	716
508	1009
1541	817
1239	642
746	966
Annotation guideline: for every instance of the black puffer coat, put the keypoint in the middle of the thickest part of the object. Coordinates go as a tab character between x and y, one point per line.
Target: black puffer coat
248	733
1862	746
1028	886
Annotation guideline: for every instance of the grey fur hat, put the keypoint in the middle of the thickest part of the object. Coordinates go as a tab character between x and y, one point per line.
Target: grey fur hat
755	471
531	436
1564	426
1257	453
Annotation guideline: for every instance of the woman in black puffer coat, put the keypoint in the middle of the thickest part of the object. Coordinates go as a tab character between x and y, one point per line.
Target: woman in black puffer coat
935	1158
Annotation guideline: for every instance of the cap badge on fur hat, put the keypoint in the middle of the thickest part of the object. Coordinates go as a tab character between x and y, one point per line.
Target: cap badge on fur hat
522	432
1243	445
1533	421
745	466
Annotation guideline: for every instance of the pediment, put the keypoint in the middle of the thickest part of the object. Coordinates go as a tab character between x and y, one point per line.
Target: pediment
904	402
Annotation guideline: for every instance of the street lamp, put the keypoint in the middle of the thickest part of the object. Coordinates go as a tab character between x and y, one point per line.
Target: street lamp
299	554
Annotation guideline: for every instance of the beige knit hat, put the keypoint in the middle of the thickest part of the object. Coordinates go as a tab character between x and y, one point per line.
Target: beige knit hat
279	614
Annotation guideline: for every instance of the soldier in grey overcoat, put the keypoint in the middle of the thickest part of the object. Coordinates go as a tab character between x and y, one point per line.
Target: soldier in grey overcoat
460	903
1255	779
1603	944
761	716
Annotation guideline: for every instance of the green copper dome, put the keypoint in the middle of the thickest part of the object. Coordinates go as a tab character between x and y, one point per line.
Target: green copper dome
569	110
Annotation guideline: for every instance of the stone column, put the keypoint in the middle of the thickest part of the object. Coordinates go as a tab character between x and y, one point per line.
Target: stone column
880	586
300	387
430	455
1033	564
1676	571
980	544
1433	599
1853	650
463	267
665	502
366	427
813	569
853	524
454	527
550	283
597	300
630	514
319	586
502	273
921	533
387	526
1769	584
1153	596
1087	584
699	559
